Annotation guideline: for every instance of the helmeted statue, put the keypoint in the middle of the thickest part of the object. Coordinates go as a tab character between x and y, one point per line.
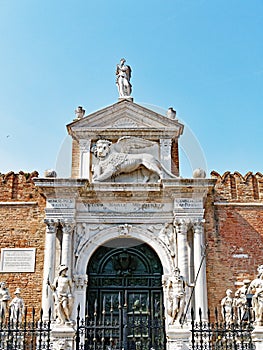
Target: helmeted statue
63	298
123	76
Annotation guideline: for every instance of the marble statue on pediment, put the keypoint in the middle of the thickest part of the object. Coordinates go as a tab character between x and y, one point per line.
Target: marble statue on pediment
123	76
79	112
126	156
256	288
4	298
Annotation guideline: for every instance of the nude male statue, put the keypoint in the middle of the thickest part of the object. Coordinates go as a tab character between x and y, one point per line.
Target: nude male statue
63	298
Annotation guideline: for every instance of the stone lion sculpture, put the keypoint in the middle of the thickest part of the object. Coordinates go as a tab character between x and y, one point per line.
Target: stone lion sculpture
124	156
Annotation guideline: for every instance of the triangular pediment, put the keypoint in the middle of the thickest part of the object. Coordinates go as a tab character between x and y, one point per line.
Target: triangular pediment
124	116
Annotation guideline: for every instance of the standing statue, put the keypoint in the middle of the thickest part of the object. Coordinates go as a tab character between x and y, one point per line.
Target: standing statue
17	307
256	288
176	296
240	300
123	76
63	298
4	298
227	307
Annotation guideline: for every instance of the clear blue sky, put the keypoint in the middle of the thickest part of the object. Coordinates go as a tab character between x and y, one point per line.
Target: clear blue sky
203	57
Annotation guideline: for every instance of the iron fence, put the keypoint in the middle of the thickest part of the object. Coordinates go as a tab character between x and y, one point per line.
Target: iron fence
25	332
221	335
120	329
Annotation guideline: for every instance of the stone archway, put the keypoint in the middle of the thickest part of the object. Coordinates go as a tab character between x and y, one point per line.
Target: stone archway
126	274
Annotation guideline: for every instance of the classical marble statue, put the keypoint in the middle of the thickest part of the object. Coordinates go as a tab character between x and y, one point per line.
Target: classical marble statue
240	300
4	298
123	76
79	112
176	296
118	158
63	298
256	288
17	307
227	304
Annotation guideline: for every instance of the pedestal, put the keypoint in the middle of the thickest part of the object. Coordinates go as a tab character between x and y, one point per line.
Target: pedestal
257	337
62	337
178	338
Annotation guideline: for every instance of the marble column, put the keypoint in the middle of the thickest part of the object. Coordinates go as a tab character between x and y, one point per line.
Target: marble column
67	237
49	266
200	265
181	228
84	161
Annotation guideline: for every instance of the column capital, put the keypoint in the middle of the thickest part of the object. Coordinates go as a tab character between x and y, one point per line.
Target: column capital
84	145
51	225
181	225
198	225
67	226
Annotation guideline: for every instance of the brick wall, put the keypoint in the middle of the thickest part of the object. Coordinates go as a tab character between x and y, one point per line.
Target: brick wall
21	226
234	229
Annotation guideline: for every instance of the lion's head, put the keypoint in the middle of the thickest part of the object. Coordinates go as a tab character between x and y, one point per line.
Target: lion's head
102	148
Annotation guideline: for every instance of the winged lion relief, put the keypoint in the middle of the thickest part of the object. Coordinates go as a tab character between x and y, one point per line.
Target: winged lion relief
124	157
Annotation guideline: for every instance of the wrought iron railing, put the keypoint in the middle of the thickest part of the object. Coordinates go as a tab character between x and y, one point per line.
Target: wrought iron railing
25	332
221	335
118	328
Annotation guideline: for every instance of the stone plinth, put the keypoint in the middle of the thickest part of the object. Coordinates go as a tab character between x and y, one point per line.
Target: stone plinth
257	337
62	337
178	338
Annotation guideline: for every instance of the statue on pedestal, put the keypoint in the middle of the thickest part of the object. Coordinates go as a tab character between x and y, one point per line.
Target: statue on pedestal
4	298
227	307
240	300
123	76
63	298
176	296
256	288
17	307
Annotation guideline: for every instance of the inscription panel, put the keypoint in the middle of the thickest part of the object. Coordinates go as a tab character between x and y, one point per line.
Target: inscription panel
60	203
125	207
188	203
18	259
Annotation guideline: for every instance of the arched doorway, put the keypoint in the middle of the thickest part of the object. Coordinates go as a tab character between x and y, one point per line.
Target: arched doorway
125	296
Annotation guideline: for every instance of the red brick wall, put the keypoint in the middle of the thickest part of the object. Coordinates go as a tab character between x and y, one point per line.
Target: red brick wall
234	229
21	226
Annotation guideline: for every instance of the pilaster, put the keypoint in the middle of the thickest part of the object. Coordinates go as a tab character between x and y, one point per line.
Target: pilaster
165	153
84	161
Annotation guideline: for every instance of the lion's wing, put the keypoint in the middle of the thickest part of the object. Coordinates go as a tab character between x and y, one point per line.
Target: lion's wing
129	144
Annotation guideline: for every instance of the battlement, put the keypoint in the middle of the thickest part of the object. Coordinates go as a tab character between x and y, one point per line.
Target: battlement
18	186
238	188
